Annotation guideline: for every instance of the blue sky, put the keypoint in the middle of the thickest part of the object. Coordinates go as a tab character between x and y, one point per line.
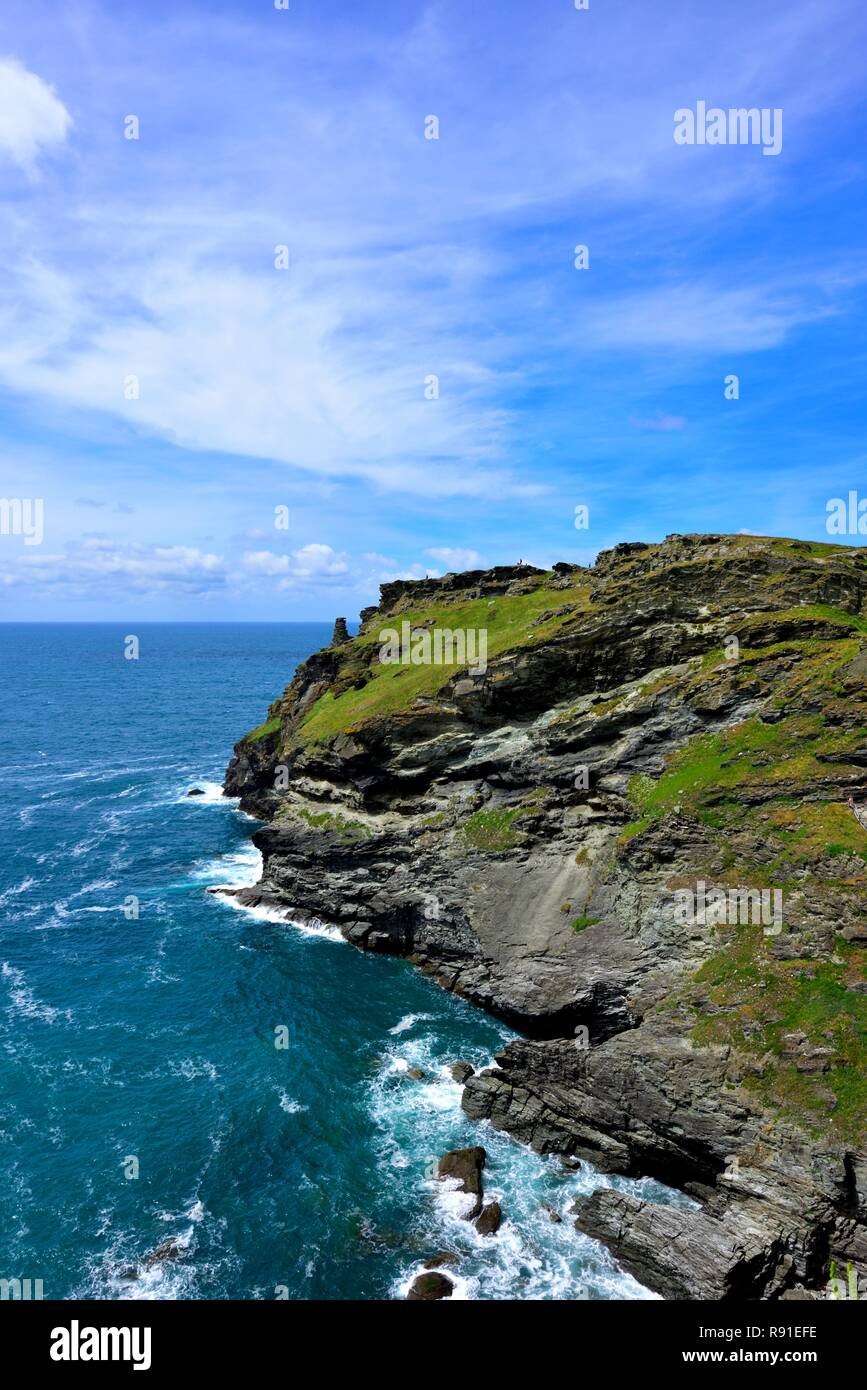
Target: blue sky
261	388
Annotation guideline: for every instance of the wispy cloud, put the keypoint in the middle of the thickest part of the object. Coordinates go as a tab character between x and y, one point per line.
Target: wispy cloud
32	118
454	558
138	569
431	379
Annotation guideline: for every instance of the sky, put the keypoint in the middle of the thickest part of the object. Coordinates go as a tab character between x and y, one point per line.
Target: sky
266	344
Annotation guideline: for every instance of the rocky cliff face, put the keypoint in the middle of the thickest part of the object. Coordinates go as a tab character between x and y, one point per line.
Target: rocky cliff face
630	836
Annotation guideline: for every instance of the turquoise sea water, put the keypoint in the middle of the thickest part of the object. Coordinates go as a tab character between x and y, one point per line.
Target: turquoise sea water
303	1171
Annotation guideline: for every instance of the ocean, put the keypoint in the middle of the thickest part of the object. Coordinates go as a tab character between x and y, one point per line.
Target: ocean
143	1102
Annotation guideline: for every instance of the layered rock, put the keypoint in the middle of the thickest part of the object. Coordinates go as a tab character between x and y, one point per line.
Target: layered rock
686	717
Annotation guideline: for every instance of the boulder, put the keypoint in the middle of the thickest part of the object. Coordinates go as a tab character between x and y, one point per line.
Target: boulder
443	1257
465	1167
427	1288
461	1072
490	1220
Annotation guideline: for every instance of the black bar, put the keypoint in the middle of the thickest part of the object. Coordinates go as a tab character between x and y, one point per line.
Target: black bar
226	1337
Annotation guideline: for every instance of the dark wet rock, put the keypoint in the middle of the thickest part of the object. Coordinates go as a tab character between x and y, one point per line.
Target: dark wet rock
416	1073
427	1288
195	791
461	1071
443	1257
552	1213
170	1249
464	1166
490	1219
686	1254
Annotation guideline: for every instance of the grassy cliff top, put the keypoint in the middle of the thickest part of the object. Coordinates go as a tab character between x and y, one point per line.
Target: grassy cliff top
521	609
734	669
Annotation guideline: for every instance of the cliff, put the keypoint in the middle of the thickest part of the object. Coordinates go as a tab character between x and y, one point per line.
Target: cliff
628	833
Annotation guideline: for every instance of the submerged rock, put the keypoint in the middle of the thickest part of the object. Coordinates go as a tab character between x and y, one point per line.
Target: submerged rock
429	1287
171	1249
444	1257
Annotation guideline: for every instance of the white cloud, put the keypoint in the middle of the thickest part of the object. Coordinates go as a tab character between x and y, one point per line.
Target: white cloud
32	118
455	558
266	562
86	569
166	268
316	561
257	364
311	562
702	317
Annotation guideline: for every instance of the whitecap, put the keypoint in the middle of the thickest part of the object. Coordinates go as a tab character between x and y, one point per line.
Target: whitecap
409	1021
24	1001
213	795
22	887
280	916
98	885
192	1070
244	864
289	1106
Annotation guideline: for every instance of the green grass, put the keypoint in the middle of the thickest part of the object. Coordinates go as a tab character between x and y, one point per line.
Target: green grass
633	828
393	688
747	998
492	830
821	612
582	922
537	797
264	731
710	769
815	549
333	823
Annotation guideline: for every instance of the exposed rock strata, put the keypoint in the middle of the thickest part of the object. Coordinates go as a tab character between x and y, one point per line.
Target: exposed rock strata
522	836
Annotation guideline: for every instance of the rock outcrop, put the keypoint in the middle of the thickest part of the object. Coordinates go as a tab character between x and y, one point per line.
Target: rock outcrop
428	1288
490	1219
463	1169
628	836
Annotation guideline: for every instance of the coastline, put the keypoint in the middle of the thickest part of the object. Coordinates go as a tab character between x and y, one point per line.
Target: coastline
452	831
